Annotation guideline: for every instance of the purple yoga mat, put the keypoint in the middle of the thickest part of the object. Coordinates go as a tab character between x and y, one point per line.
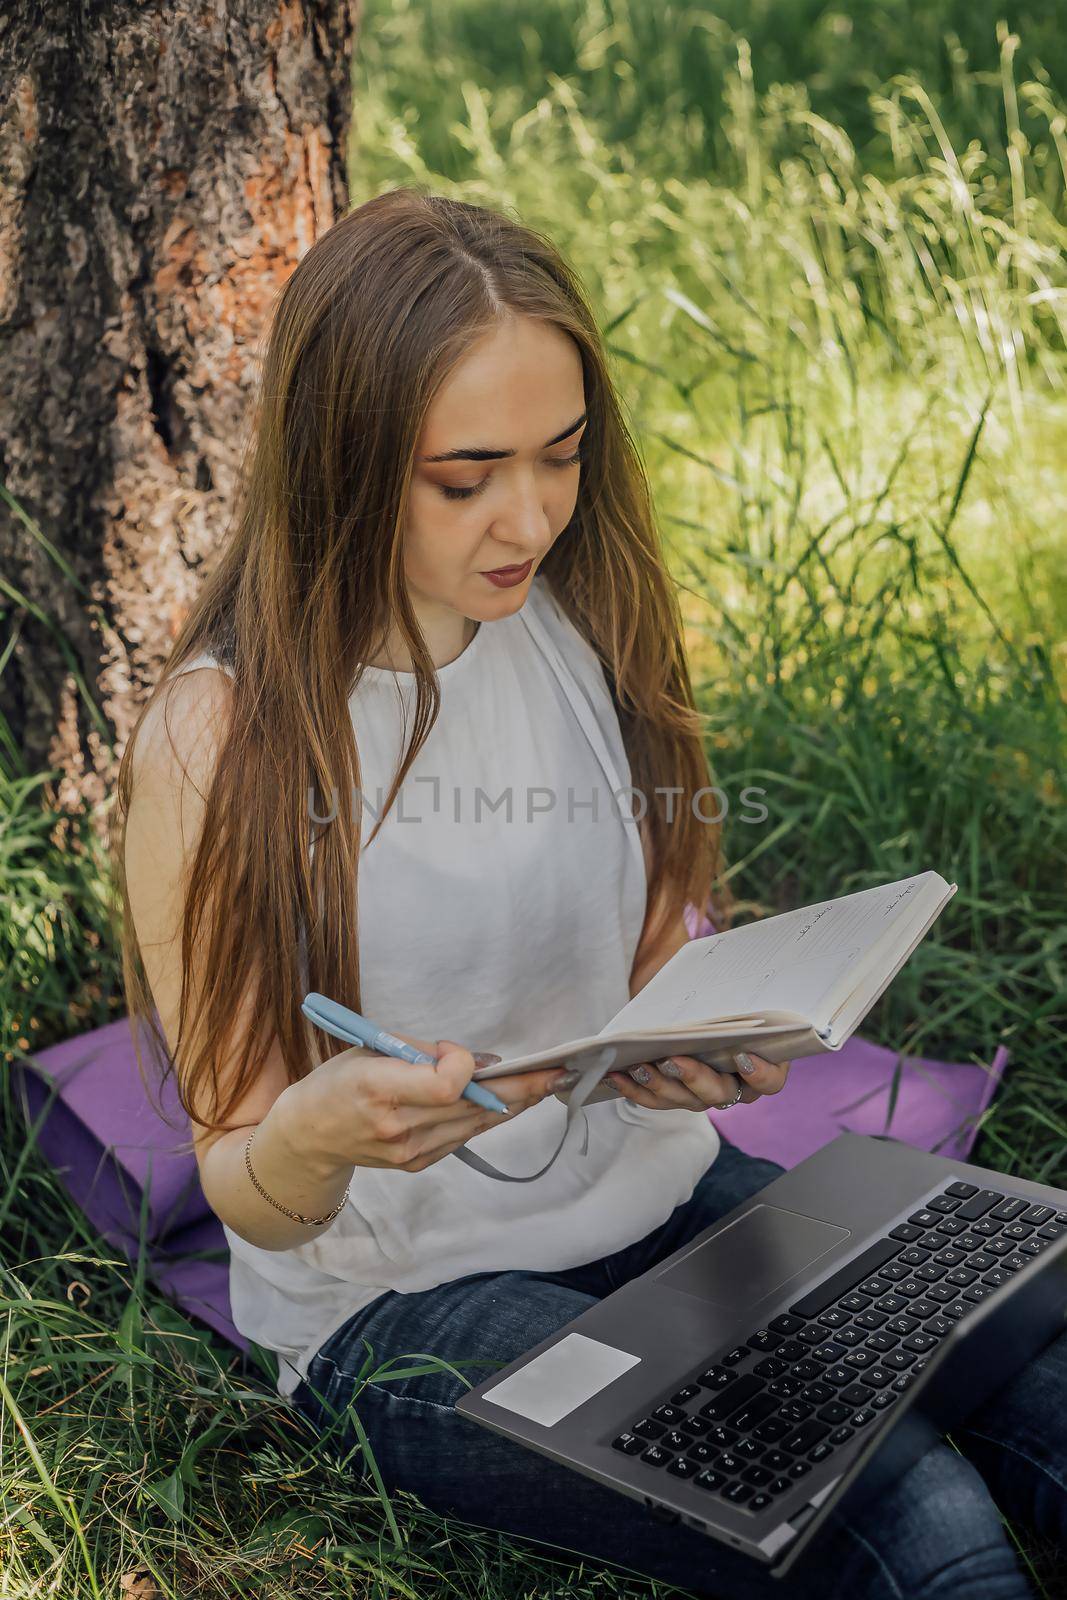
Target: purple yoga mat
114	1151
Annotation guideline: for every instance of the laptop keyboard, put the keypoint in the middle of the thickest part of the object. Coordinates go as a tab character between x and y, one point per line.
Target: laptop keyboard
755	1418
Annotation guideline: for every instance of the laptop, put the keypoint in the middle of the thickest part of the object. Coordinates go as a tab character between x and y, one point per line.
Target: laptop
802	1351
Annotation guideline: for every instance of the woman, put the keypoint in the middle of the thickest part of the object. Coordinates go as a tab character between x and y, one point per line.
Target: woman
445	569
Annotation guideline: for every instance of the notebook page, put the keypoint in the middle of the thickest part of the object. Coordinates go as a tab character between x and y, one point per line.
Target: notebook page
845	1012
796	961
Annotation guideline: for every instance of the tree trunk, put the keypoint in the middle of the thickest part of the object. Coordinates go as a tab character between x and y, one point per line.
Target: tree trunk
162	171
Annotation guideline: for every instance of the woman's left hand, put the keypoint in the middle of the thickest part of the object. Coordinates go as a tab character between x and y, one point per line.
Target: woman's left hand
697	1086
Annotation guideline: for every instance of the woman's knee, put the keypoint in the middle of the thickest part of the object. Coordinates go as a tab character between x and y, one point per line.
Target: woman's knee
428	1350
933	1531
1018	1441
469	1326
497	1320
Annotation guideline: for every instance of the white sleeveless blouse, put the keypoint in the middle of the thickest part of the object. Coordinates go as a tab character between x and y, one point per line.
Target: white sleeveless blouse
500	906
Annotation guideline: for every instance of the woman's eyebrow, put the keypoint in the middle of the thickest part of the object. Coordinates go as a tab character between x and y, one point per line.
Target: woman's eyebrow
476	454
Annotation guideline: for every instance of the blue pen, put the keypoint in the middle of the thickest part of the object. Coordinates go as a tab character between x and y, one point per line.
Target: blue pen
348	1025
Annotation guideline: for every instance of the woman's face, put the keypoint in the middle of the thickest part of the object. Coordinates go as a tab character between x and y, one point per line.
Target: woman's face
511	416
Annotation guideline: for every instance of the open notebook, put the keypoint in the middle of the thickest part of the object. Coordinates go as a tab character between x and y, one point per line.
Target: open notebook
793	985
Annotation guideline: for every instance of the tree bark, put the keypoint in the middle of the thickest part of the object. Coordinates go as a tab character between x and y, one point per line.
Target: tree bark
163	168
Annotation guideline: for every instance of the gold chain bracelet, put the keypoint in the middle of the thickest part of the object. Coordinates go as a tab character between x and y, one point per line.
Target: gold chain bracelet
311	1222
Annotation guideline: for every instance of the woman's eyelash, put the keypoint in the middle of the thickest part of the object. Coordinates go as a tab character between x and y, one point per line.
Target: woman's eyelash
451	493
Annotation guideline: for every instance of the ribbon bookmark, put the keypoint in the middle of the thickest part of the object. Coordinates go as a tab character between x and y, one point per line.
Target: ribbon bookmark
592	1069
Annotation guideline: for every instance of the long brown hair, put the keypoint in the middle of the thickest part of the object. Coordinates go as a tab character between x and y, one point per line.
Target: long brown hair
367	327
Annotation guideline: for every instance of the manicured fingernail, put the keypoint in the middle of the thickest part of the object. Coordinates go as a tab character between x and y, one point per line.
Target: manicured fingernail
566	1080
670	1068
641	1074
745	1062
485	1058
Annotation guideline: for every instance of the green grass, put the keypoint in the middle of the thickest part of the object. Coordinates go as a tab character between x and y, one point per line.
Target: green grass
836	314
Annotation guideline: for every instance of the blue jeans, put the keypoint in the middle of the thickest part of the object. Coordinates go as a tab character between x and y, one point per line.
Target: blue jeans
937	1532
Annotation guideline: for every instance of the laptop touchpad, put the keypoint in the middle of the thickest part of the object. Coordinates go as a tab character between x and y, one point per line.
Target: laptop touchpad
752	1256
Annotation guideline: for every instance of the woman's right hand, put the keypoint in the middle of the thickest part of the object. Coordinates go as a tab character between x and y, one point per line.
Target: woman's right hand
363	1109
